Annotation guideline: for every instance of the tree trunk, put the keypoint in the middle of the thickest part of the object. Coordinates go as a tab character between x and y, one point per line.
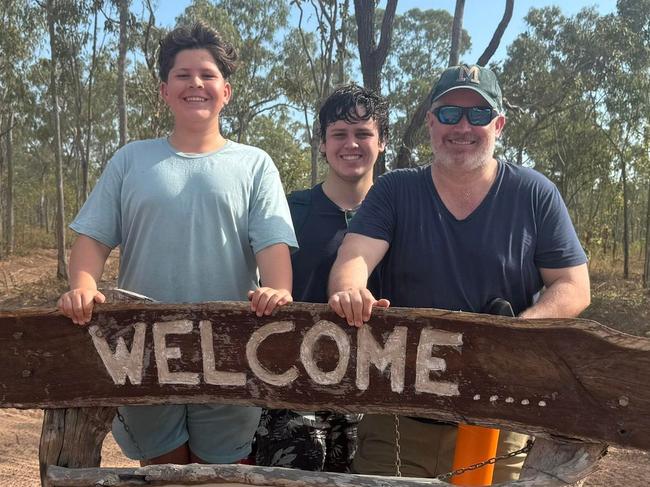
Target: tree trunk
341	47
456	30
626	227
123	6
315	150
646	267
46	208
9	231
372	55
498	34
89	114
62	268
3	199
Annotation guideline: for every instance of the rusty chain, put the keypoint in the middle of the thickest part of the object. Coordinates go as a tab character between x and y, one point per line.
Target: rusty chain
446	476
398	456
130	433
490	461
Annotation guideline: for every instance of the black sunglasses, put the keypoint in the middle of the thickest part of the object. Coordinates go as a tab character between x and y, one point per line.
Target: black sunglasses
451	115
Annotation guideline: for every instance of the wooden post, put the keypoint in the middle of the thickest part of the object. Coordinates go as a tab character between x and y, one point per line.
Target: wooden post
73	437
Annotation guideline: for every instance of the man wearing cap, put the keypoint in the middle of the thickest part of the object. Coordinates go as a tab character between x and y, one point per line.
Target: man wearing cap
456	234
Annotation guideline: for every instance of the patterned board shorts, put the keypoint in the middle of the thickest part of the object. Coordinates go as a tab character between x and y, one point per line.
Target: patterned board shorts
323	441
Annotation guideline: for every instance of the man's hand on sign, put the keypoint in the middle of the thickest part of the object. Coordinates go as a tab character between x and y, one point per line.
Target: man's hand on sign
355	305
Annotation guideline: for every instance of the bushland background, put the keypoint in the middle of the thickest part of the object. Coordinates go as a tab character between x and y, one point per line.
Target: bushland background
78	80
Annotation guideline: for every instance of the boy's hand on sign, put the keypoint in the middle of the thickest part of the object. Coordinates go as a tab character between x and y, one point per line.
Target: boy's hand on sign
77	304
264	300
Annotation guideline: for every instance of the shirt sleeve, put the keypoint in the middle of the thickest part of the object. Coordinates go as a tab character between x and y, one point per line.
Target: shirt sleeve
269	216
101	215
376	217
558	245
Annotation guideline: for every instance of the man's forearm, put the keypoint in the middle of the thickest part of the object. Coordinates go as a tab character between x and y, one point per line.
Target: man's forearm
560	300
348	273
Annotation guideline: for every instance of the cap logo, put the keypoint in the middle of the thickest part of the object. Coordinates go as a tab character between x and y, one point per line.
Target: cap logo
468	73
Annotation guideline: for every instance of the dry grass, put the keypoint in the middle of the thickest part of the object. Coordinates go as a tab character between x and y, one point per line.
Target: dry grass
619	303
30	280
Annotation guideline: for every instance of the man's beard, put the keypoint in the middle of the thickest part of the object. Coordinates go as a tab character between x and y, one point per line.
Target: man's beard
465	161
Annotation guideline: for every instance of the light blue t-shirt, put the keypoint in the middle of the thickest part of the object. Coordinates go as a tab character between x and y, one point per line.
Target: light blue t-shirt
188	225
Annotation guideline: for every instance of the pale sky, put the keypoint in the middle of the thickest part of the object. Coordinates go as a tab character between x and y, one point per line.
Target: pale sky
480	19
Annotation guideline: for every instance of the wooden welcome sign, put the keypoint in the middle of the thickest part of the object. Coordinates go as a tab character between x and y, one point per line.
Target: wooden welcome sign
550	378
568	377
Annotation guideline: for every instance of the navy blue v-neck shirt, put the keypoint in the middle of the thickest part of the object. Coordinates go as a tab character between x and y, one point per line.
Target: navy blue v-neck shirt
437	261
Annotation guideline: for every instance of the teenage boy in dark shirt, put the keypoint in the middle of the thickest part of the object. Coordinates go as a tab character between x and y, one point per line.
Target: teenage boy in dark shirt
354	129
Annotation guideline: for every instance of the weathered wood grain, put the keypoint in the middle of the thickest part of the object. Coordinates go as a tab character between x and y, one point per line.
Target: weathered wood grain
563	464
570	378
73	437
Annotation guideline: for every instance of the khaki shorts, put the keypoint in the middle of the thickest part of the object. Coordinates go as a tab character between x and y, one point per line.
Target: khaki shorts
426	450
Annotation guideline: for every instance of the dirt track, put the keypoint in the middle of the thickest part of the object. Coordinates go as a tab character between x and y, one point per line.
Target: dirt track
29	281
19	436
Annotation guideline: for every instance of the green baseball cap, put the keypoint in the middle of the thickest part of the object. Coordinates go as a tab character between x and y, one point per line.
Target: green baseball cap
472	77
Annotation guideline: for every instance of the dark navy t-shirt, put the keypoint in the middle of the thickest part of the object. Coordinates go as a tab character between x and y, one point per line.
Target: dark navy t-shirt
320	226
437	261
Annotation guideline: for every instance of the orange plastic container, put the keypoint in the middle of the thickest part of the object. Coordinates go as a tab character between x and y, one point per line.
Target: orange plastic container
474	444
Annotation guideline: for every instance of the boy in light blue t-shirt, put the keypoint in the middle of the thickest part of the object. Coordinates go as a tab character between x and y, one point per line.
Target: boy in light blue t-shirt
195	216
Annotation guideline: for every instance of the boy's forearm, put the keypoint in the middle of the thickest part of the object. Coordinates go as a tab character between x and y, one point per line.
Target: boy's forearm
87	259
274	263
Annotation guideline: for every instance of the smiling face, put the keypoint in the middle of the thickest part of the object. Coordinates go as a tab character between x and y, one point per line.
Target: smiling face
195	90
351	149
463	146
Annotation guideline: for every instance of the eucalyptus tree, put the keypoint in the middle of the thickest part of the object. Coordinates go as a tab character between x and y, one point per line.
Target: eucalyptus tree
626	88
576	89
83	193
374	42
275	133
551	93
124	23
315	60
53	14
20	24
646	155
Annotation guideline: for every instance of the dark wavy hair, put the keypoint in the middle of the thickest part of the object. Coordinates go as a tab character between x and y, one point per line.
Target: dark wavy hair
342	105
196	36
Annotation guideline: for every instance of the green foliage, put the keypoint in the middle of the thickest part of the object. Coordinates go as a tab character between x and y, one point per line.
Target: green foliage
577	90
276	136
